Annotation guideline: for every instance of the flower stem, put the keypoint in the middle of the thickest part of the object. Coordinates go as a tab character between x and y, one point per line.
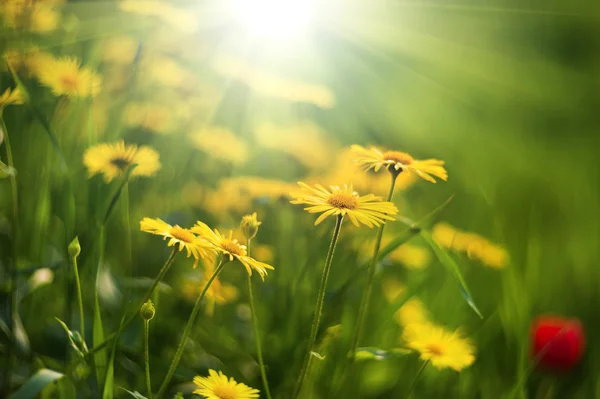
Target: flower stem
414	383
147	358
318	307
79	298
261	363
13	302
131	318
366	297
188	330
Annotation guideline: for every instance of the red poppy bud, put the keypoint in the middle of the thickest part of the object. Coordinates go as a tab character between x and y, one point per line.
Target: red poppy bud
558	343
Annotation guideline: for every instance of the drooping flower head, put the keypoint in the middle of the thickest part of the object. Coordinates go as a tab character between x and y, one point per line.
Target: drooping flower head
249	225
218	386
113	160
10	97
231	248
443	348
66	77
181	238
368	209
396	161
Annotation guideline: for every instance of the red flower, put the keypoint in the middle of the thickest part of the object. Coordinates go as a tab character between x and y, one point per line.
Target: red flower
558	343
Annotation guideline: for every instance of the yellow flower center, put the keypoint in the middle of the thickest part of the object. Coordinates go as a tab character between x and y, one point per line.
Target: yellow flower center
232	247
182	234
69	83
343	201
435	349
120	162
225	392
399	157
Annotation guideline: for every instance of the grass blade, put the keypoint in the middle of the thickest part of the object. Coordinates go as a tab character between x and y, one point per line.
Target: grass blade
36	383
452	267
108	391
100	357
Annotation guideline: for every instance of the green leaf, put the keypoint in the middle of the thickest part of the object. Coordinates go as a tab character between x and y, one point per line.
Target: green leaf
66	389
108	392
451	266
371	353
36	383
118	193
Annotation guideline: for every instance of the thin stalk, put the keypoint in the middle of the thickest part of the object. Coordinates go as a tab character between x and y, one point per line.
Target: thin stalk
188	330
261	362
147	358
414	383
13	300
79	298
319	306
364	302
132	317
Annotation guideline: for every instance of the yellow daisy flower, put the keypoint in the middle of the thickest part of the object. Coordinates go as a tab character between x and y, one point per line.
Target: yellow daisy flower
180	237
120	50
412	312
249	225
373	158
66	77
218	386
113	160
10	97
444	349
229	246
220	143
367	210
474	245
43	19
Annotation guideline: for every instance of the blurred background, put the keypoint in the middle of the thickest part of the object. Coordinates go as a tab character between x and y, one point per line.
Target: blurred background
242	99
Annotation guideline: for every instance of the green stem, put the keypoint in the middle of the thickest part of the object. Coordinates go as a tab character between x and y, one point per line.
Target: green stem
364	303
188	330
414	383
147	358
318	307
79	298
13	271
132	317
261	363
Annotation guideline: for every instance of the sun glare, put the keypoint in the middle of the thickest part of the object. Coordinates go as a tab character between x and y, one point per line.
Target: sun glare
274	19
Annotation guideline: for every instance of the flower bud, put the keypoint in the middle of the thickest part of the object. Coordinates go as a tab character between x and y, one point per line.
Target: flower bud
557	342
249	226
147	311
74	248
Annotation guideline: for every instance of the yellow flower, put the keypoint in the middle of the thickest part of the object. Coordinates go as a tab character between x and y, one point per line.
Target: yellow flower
444	349
230	247
165	71
304	141
66	77
180	237
154	118
374	158
120	50
11	97
274	86
411	256
367	210
249	225
144	7
113	160
218	386
43	19
392	289
220	143
475	246
263	252
412	312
